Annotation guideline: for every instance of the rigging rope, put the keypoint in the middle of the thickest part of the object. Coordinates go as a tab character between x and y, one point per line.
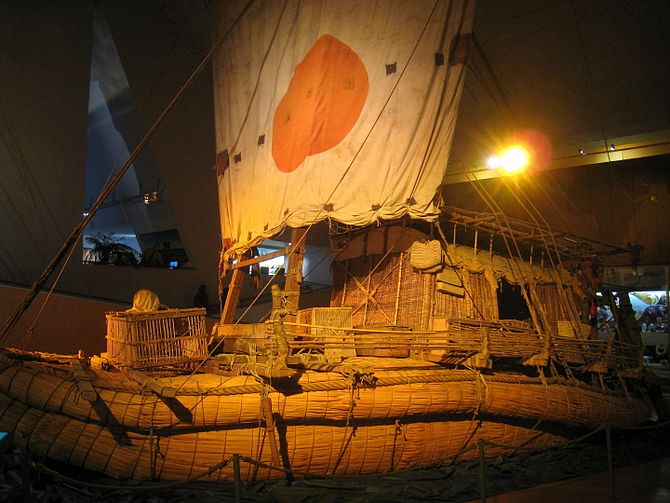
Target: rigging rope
500	218
29	333
30	185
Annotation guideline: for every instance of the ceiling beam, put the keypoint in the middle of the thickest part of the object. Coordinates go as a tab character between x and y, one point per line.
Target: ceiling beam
625	148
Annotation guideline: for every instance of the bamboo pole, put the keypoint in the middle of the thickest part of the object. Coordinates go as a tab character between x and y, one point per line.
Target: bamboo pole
398	288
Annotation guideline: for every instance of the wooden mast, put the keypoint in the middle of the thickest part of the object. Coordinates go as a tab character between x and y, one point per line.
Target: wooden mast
295	252
233	296
294	271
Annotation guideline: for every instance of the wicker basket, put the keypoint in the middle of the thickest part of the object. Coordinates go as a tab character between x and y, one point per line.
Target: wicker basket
151	339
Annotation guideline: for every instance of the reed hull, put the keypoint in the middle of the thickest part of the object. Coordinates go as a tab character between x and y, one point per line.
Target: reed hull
412	417
312	449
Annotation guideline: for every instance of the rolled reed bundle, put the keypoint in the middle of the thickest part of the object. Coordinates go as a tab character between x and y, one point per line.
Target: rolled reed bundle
325	397
315	449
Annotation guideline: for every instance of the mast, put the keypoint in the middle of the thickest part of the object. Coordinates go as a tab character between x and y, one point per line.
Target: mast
294	272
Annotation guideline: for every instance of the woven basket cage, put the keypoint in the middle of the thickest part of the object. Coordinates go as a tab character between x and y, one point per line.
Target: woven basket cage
151	339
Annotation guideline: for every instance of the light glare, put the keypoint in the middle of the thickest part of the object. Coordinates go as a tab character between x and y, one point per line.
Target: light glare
514	159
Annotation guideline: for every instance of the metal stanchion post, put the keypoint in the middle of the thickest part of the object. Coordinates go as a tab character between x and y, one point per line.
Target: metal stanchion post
610	468
238	478
26	493
482	470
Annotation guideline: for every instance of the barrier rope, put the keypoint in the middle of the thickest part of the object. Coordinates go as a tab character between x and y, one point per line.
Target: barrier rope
142	486
649	427
112	487
580	439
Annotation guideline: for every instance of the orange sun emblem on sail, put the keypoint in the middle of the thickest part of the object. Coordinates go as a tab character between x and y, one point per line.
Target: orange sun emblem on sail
323	102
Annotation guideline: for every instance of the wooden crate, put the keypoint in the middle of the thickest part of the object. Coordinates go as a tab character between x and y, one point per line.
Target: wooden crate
155	338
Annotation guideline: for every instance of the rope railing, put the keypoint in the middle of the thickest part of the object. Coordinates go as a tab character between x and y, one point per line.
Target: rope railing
467	337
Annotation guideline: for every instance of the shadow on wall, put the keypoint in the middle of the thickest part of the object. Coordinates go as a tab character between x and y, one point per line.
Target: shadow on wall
66	325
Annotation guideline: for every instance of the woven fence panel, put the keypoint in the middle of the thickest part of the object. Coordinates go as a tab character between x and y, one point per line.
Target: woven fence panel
332	317
411	295
479	301
552	306
338	291
485	298
350	285
382	291
382	286
148	339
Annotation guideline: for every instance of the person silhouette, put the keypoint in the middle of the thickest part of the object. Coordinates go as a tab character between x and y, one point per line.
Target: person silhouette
200	299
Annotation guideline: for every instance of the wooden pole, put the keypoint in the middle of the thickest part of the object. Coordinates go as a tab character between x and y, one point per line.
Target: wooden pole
294	272
233	297
266	406
482	470
261	258
149	382
237	477
280	342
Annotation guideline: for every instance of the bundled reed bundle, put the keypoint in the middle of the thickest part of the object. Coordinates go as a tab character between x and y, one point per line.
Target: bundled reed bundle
316	449
210	401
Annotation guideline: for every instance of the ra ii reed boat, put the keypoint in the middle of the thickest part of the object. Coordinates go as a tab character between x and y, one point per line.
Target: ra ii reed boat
443	326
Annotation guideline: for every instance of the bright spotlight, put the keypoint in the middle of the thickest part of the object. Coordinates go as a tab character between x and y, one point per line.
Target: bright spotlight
514	159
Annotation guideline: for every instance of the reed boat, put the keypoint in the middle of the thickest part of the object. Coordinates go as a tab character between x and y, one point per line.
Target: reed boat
443	327
331	392
364	415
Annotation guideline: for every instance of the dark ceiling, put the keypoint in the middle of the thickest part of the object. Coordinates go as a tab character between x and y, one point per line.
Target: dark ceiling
583	73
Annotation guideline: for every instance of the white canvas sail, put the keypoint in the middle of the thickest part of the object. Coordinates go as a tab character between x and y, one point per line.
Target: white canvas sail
334	110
